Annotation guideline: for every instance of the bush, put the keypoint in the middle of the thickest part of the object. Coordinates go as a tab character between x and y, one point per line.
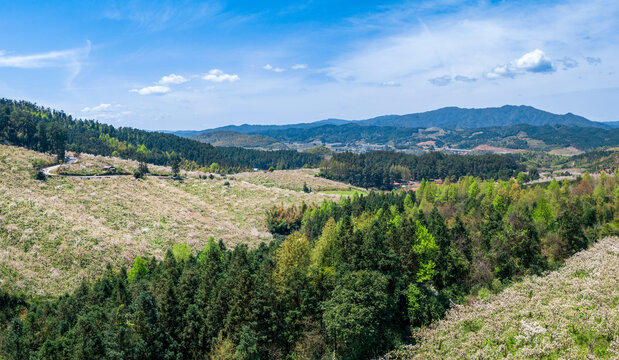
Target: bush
141	171
284	220
40	175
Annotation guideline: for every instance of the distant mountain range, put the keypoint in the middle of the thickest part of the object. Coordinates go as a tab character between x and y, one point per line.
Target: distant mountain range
445	118
458	127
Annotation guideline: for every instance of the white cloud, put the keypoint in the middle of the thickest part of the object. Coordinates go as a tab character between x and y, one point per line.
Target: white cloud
100	107
173	79
217	75
535	61
299	66
57	58
152	90
272	68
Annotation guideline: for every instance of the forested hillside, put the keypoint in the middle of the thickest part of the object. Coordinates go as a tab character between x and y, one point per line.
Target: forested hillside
380	169
350	280
25	124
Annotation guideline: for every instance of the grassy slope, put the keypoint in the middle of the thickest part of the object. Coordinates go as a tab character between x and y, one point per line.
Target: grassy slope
572	313
53	234
293	180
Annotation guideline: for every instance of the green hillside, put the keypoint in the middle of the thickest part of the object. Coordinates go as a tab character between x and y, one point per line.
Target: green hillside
571	313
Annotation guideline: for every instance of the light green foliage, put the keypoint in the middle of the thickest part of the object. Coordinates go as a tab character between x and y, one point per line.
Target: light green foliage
214	167
452	194
426	249
322	254
142	150
413	298
473	190
293	253
543	214
181	252
599	193
211	246
408	202
138	269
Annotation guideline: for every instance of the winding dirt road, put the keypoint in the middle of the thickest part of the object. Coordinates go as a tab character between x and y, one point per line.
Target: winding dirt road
48	172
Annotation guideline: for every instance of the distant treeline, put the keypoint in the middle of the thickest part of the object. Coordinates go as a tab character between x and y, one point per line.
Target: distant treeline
25	124
380	169
349	284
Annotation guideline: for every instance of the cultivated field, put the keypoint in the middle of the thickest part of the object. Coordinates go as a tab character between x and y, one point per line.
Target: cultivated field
53	234
572	313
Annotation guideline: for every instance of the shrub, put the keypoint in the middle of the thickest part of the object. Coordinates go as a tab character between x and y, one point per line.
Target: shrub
284	220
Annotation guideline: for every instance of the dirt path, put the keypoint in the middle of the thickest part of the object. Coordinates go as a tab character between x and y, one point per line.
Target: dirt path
48	172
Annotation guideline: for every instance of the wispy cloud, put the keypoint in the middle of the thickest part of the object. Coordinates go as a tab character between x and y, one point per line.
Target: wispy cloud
441	80
217	75
160	14
152	90
299	66
100	107
173	79
593	60
390	83
463	78
57	58
273	68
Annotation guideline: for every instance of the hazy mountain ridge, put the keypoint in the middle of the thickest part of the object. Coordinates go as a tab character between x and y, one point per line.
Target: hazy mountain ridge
446	118
233	138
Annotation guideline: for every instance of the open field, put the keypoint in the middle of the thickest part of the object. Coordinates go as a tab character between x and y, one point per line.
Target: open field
53	234
572	313
293	180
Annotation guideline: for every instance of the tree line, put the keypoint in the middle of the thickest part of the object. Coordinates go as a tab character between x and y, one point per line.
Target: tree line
381	169
25	124
347	279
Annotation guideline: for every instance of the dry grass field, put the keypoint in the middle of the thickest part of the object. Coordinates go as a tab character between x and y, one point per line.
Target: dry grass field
572	313
93	165
294	180
55	233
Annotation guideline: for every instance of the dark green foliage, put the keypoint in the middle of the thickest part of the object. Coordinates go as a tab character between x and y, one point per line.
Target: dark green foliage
377	169
356	315
141	171
174	163
25	124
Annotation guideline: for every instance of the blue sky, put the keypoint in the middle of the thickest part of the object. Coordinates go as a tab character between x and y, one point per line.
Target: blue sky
197	65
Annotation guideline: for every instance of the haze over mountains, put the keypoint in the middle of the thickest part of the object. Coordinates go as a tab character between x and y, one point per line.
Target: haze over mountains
511	127
446	118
